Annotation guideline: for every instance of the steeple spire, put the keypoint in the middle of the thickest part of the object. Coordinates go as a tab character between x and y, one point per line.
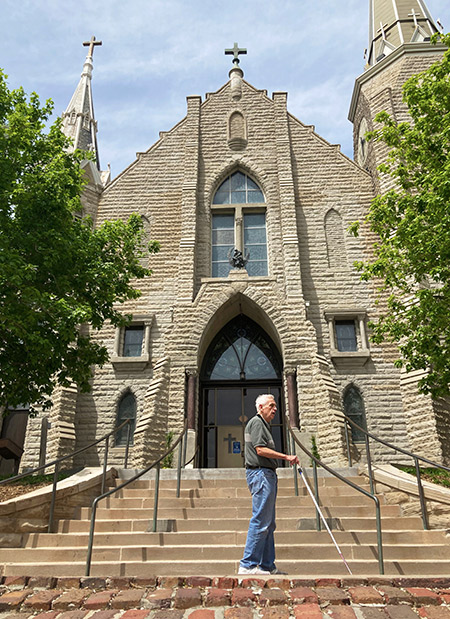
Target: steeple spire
396	22
78	119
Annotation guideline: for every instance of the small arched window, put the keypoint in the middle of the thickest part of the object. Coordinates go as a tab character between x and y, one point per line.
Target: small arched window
126	410
239	223
354	409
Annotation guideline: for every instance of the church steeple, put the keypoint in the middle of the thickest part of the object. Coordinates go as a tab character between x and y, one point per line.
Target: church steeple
78	119
393	23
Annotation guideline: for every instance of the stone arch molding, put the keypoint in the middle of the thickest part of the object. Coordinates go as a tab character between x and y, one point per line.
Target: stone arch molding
213	311
121	393
355	383
238	162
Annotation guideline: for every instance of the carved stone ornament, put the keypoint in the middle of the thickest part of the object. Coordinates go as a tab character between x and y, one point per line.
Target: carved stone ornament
237	259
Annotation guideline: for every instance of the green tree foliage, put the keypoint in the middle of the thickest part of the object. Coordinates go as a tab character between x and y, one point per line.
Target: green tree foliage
412	255
56	271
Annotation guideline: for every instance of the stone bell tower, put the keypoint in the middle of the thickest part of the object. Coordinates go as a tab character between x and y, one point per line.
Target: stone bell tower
399	47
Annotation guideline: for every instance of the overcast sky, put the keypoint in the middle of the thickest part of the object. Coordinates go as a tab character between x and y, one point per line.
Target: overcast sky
156	52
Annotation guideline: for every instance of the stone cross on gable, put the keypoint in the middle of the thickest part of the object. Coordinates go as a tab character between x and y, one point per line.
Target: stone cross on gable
235	51
381	29
414	15
92	43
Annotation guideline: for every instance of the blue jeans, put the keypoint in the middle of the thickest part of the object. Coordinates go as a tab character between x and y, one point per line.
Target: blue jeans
260	546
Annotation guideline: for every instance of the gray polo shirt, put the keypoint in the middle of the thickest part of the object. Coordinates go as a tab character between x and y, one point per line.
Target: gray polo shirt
258	434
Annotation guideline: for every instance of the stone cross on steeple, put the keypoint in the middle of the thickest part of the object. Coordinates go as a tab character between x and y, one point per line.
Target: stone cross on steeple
401	22
92	43
235	51
381	29
78	120
414	15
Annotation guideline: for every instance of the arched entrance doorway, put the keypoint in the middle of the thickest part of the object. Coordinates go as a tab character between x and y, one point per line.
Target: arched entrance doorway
241	362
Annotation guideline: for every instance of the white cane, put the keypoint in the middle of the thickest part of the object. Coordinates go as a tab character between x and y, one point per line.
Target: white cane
300	472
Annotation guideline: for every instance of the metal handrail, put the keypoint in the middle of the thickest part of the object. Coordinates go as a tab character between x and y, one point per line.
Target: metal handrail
156	463
193	457
410	454
56	463
370	495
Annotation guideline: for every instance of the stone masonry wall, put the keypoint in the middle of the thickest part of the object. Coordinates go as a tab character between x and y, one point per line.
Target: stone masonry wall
172	186
325	179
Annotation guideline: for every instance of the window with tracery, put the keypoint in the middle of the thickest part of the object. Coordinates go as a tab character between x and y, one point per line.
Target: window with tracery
239	223
242	351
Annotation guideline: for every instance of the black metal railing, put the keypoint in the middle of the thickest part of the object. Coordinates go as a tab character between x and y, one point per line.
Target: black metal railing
371	495
410	454
157	463
57	464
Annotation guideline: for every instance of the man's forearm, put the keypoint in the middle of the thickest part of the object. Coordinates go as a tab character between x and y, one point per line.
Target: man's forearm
266	452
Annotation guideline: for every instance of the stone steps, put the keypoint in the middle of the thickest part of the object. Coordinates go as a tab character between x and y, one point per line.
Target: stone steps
208	525
301	568
195	538
224	502
240	524
228	512
226	552
228	493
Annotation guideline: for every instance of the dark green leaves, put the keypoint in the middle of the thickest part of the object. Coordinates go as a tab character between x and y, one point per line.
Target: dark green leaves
56	271
412	256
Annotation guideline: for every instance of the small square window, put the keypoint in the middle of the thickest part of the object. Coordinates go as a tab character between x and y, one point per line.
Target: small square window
132	344
132	341
345	335
348	337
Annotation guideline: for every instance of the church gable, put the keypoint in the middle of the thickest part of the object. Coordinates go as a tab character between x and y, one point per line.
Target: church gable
227	122
152	186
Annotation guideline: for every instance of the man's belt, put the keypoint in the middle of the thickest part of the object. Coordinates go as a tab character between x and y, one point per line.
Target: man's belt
247	466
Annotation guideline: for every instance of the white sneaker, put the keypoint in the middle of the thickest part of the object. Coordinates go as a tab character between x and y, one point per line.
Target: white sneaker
252	570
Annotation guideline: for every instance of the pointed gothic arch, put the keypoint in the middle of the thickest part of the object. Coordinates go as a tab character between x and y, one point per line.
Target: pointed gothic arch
126	408
241	351
245	165
240	363
353	404
220	313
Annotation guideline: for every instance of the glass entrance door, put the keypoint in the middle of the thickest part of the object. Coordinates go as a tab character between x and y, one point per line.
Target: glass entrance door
226	411
241	363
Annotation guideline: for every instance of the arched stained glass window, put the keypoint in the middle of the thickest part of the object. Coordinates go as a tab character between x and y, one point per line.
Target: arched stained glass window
242	351
126	410
239	223
238	188
354	409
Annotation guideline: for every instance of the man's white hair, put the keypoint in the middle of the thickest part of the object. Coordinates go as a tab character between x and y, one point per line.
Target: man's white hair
263	399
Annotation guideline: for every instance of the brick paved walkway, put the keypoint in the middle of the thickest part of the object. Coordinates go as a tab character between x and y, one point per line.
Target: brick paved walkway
198	597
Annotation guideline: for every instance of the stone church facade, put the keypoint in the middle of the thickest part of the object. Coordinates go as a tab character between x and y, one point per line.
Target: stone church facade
241	177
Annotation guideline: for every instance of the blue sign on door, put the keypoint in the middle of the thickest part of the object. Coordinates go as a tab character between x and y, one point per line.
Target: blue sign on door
236	447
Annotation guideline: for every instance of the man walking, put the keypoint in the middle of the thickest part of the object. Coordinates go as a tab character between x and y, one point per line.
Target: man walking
261	463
